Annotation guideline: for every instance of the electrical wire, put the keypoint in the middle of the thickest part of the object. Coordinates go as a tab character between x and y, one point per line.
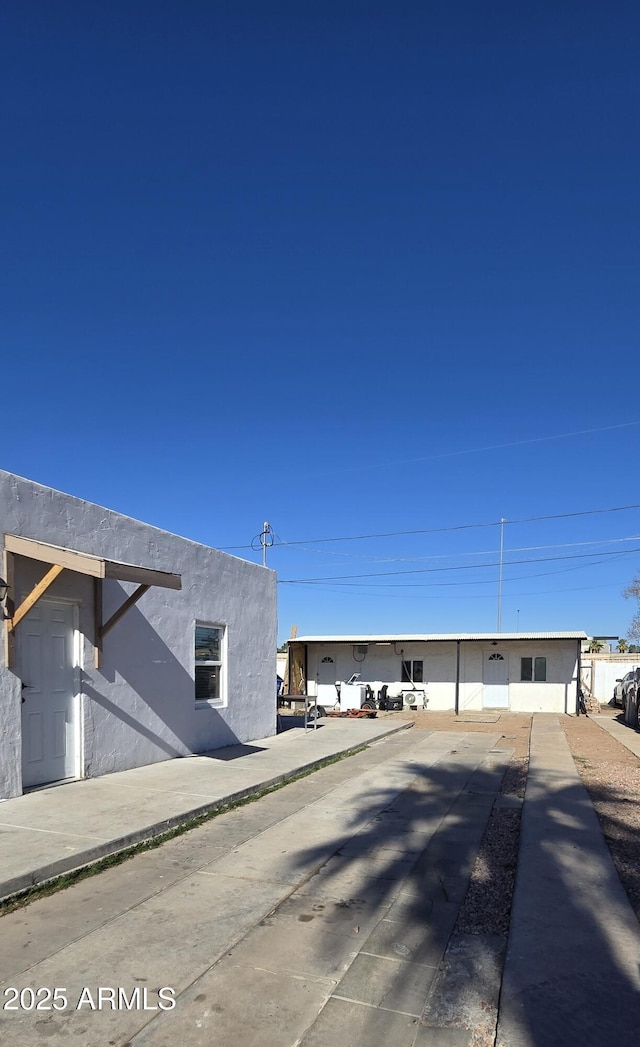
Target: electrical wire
440	530
471	596
479	552
463	567
468	581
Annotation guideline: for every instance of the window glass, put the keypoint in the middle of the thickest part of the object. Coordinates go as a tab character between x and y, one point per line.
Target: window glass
540	670
412	672
526	669
208	643
208	683
208	669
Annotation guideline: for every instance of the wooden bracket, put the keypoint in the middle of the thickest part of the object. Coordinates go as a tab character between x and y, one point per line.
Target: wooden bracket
100	630
8	573
117	615
97	623
33	597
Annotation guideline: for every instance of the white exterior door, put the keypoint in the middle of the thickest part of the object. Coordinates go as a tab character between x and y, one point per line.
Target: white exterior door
45	664
495	693
327	694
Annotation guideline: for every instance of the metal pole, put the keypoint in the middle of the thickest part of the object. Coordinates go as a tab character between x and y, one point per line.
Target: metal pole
457	701
263	539
502	523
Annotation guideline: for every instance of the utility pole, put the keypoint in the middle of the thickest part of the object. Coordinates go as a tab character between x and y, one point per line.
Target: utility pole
266	540
502	523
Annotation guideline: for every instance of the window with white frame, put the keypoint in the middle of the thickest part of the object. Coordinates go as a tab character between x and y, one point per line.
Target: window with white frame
209	663
533	670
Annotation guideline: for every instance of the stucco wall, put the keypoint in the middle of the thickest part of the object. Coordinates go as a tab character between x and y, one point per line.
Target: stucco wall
382	665
140	707
600	672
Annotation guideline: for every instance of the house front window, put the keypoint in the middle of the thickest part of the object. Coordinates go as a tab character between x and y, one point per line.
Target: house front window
533	669
412	671
209	664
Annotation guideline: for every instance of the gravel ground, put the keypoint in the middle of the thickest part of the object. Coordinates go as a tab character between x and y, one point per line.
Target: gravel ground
611	775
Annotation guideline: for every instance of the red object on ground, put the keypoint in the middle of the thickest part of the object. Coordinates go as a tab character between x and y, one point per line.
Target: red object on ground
355	714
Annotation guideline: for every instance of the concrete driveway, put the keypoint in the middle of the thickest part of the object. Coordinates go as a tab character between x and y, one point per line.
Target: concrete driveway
321	914
273	924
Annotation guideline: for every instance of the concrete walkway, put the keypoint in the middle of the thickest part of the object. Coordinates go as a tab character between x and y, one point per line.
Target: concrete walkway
623	734
572	973
54	830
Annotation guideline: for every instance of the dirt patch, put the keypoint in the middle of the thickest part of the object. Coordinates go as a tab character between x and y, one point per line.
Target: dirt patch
611	775
514	728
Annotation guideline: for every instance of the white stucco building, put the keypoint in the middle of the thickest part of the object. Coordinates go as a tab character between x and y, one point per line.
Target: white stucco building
123	645
523	672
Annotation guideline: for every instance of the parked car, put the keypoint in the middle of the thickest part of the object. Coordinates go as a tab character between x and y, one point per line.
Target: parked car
631	696
620	687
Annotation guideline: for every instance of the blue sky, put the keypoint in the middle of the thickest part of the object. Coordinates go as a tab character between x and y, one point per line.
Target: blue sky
354	269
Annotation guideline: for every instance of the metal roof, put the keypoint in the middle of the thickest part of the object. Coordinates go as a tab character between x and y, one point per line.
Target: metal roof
425	637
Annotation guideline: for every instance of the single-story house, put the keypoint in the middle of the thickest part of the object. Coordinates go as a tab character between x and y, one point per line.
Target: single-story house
123	645
523	672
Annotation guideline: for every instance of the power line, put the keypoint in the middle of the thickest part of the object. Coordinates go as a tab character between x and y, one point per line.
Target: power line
494	447
440	530
463	567
471	596
466	583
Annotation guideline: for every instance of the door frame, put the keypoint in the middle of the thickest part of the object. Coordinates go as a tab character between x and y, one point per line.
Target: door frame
504	656
77	698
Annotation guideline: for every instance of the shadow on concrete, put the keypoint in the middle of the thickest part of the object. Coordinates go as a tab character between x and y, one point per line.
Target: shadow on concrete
400	872
233	752
413	859
287	723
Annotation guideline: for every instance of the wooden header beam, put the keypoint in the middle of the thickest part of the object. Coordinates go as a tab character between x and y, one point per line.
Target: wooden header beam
124	572
87	563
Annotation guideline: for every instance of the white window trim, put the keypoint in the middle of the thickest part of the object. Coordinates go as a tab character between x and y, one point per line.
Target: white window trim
222	701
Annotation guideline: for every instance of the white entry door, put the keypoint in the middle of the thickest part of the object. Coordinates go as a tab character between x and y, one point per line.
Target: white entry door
495	693
45	664
327	694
